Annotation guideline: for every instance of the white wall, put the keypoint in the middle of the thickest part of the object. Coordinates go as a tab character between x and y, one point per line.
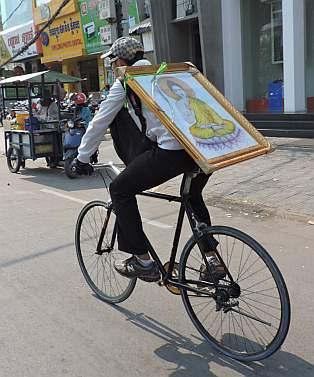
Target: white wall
232	52
293	13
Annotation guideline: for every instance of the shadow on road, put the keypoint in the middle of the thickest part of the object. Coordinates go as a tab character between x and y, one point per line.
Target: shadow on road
56	178
193	357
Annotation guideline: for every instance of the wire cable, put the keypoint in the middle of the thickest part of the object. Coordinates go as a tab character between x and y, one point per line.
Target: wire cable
37	35
12	13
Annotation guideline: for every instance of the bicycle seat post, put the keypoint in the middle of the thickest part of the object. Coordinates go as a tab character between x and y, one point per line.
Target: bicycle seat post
186	183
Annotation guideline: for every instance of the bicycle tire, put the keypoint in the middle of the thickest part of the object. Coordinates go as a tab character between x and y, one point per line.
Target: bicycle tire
223	338
105	282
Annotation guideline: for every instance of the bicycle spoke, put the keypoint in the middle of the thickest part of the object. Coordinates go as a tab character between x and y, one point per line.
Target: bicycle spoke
246	326
98	267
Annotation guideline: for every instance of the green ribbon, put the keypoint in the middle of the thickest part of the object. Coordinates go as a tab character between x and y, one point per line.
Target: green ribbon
127	77
162	68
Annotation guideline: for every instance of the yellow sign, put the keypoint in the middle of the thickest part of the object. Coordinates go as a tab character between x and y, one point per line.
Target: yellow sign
43	10
63	40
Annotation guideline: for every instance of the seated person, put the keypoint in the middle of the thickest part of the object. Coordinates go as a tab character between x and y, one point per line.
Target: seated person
81	109
47	110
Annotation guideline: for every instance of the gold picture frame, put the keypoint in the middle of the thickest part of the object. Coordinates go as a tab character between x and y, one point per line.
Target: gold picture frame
210	129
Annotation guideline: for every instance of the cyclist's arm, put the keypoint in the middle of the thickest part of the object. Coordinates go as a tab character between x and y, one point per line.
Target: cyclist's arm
101	121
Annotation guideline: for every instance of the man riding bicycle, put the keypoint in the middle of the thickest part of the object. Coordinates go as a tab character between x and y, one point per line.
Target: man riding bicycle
163	159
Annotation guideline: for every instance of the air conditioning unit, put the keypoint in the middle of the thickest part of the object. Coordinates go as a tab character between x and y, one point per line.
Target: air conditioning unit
107	10
185	8
107	34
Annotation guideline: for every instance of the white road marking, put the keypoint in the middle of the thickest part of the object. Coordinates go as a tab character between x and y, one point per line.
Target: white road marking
156	223
52	192
68	197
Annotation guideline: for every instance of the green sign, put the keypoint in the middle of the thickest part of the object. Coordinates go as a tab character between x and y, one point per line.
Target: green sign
96	29
133	13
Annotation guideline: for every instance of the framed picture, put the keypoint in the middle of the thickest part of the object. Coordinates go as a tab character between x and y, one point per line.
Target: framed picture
208	127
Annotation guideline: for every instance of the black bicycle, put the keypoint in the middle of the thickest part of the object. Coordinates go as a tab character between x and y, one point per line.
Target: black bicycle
245	315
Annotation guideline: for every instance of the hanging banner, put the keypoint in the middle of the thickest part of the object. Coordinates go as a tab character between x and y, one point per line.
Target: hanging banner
96	30
63	40
15	38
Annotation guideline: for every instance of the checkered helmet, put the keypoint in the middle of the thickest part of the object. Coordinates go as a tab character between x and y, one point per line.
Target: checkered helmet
124	48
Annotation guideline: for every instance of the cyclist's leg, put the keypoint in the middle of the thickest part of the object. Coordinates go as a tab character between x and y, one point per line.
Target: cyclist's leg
148	170
207	243
196	198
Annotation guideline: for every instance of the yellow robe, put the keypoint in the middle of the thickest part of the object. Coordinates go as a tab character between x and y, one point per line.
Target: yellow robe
205	115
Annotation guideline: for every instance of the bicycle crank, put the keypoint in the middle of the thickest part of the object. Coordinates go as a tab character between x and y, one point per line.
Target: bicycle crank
175	274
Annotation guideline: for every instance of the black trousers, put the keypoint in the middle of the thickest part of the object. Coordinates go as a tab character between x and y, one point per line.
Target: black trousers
150	169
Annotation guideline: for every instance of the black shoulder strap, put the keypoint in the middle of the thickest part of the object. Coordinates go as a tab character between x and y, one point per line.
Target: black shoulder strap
137	106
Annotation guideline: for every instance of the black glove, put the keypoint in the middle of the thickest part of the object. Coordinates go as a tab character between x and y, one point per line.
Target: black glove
81	168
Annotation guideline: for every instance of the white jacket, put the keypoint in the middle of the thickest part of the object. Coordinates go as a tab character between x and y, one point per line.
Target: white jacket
108	110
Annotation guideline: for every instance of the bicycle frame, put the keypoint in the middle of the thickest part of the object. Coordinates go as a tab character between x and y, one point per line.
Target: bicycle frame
197	227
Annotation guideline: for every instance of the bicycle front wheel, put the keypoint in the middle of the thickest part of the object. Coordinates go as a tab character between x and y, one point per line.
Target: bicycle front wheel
247	319
96	249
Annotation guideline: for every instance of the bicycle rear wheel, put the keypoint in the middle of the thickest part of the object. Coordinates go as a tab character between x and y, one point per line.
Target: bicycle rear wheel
249	324
96	249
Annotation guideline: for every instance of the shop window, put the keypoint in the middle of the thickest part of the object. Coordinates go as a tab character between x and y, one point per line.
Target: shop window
262	55
276	33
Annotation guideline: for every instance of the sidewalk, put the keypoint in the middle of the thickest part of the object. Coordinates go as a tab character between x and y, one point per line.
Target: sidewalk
280	184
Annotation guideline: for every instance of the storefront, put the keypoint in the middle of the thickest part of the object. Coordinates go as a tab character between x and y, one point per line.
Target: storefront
62	43
268	50
98	35
263	65
18	30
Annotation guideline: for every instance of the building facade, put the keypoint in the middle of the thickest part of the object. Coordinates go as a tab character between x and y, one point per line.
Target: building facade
17	30
259	53
83	31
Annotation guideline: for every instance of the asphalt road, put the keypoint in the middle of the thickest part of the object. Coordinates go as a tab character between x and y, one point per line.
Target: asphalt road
52	325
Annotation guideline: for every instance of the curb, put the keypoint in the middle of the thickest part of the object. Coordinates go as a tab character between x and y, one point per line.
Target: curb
257	209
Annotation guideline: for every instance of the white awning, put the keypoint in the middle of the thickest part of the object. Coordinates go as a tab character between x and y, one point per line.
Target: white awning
22	78
142	27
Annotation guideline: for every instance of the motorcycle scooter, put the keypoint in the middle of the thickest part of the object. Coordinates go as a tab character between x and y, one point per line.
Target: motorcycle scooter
72	140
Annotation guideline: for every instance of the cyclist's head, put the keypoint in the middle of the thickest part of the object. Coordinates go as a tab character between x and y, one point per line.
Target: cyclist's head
125	51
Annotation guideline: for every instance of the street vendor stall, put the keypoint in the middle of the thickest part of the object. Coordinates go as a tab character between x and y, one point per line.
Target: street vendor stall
31	137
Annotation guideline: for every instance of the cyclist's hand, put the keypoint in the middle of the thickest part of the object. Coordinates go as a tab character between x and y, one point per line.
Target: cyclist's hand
81	168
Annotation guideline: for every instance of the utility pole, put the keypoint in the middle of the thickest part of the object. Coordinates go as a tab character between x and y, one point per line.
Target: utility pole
122	18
